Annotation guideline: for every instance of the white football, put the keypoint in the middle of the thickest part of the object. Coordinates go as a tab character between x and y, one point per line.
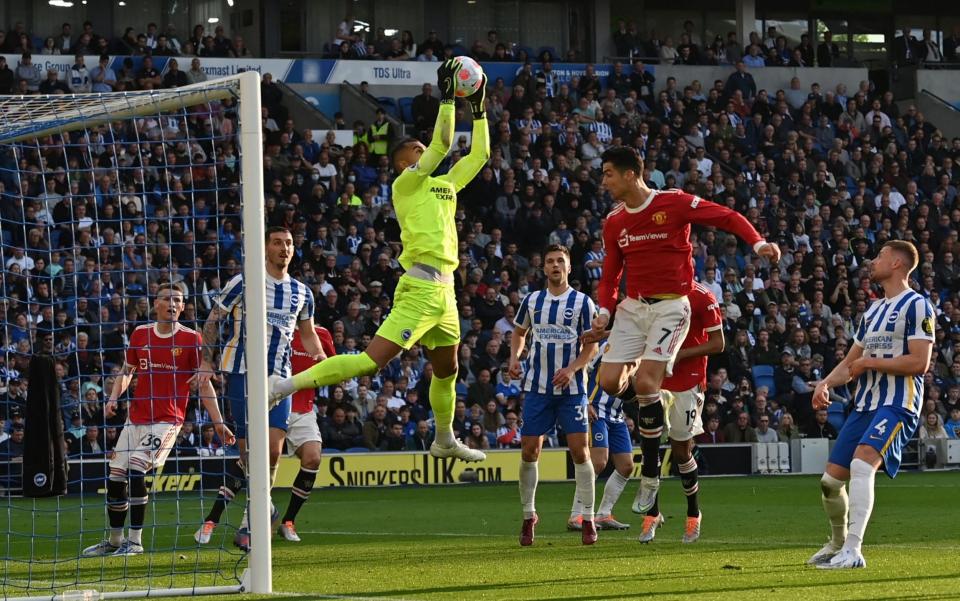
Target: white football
469	78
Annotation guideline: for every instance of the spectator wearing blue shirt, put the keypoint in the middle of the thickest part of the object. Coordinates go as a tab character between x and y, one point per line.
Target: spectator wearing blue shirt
103	77
753	59
952	425
505	386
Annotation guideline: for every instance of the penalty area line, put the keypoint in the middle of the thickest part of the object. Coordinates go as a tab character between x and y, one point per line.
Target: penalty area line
565	535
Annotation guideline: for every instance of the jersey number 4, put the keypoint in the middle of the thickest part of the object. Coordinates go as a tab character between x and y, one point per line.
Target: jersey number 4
881	427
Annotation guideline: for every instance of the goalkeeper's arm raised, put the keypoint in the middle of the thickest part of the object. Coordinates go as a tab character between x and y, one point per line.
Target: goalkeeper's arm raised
469	166
409	179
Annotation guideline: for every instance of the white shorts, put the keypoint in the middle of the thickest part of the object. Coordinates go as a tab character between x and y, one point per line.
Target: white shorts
648	331
143	447
301	429
684	414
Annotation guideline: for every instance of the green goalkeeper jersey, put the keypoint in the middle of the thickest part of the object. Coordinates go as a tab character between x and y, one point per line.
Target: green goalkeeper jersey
426	206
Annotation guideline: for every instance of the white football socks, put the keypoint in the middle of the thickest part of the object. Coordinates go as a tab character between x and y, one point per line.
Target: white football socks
577	508
135	535
529	476
116	536
835	501
611	493
862	476
586	487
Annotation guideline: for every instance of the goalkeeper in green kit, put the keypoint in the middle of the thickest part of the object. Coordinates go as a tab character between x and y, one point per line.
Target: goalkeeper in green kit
424	304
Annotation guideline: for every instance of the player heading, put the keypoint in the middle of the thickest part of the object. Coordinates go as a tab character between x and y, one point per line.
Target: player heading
648	233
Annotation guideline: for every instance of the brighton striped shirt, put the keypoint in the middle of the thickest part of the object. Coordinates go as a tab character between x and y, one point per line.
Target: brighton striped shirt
288	303
609	408
885	332
556	324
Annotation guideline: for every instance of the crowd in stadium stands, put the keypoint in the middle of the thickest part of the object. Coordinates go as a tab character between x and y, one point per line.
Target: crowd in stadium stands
25	79
350	41
829	175
150	42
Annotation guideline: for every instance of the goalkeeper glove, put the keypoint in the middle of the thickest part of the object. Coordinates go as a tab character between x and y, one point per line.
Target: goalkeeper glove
447	79
476	99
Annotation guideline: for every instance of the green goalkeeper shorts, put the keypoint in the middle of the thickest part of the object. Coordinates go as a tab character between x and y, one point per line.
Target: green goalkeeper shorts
422	311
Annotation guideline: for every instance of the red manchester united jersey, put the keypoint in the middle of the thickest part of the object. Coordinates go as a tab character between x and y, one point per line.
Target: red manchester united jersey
303	399
652	243
705	317
164	365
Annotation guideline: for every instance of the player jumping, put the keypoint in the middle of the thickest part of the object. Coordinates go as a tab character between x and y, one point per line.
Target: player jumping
165	357
289	308
686	386
609	439
424	303
648	236
890	354
555	389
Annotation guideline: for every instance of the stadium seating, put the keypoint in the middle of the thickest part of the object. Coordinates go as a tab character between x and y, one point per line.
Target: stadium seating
763	376
389	105
406	109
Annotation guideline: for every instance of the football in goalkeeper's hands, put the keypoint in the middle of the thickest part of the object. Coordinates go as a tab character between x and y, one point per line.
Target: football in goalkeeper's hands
469	78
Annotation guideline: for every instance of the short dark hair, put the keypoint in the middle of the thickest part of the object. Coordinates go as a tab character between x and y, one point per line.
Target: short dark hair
556	248
397	147
623	158
907	250
275	229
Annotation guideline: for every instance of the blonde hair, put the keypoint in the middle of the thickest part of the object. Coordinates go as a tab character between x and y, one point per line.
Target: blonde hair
173	286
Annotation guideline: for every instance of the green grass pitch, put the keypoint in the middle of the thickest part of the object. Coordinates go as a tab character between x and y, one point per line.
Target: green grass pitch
460	542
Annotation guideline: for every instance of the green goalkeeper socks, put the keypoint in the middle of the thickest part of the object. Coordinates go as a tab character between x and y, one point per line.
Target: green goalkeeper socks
334	370
443	399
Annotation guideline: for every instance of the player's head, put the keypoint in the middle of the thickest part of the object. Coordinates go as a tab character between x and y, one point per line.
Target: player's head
622	166
279	247
169	301
556	264
406	152
896	259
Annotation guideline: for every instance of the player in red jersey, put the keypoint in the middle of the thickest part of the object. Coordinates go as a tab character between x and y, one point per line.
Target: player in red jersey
165	356
648	236
303	432
689	379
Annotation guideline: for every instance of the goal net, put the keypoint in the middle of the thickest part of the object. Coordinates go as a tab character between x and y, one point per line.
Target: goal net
103	199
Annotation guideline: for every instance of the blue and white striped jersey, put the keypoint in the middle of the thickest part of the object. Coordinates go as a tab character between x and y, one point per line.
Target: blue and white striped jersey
884	332
556	323
608	408
593	273
288	303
